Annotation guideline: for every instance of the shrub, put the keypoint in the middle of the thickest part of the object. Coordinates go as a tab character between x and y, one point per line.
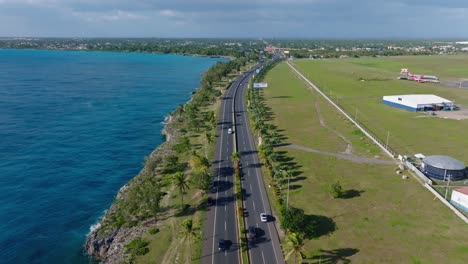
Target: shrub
137	247
153	230
336	190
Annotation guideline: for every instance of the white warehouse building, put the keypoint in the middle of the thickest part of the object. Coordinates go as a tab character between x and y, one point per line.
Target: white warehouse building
460	198
418	102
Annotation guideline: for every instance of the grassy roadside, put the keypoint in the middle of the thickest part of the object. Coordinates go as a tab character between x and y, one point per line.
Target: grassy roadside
380	218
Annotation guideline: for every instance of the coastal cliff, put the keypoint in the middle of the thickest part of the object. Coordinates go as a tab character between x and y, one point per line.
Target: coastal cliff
108	246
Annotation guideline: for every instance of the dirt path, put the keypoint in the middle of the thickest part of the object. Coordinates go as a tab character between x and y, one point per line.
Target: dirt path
349	148
349	157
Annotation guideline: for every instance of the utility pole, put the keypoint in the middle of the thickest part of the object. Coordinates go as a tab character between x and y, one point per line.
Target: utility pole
388	136
448	185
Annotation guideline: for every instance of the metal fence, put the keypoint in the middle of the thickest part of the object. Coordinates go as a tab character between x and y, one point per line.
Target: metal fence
418	173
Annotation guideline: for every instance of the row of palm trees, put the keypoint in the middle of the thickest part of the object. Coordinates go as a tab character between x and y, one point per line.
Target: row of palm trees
280	173
269	137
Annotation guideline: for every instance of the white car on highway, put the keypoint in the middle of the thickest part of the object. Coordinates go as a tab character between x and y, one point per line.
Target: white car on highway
230	131
263	217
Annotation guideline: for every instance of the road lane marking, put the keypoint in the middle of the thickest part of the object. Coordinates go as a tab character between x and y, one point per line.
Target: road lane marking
217	193
225	226
263	257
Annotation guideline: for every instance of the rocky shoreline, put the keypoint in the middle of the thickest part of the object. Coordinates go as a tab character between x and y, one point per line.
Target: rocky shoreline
109	248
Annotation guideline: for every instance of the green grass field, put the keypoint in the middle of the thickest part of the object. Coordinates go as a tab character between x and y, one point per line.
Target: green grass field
384	219
410	132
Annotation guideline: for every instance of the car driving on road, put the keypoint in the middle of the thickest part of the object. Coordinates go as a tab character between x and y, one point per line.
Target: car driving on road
230	131
222	245
263	217
252	233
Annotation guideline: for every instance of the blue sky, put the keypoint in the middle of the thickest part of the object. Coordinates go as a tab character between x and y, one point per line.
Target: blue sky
235	18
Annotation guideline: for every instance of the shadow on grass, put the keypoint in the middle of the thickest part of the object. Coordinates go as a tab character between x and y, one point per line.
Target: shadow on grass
333	256
190	210
348	194
281	96
294	187
323	225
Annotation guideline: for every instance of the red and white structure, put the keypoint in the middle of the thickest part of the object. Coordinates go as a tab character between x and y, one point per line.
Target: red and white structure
460	198
419	77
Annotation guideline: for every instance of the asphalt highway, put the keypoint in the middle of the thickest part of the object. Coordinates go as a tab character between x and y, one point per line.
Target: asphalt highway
265	248
221	216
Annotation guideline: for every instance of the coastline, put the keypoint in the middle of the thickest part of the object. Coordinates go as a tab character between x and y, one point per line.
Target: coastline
134	214
110	246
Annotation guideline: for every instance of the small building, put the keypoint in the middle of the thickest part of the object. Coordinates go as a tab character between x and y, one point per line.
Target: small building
443	168
418	102
460	198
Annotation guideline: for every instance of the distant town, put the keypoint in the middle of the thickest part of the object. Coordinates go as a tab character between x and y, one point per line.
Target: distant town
293	48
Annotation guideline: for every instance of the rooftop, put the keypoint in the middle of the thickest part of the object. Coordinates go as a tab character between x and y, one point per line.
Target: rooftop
418	99
463	190
444	162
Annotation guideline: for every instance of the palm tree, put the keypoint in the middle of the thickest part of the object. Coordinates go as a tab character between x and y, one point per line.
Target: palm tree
256	126
209	140
199	163
294	245
181	182
190	232
235	157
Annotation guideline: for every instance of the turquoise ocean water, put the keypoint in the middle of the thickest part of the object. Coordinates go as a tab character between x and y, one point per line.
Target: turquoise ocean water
75	127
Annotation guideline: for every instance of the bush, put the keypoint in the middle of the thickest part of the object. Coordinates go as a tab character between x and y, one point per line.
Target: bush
153	230
183	146
137	247
336	190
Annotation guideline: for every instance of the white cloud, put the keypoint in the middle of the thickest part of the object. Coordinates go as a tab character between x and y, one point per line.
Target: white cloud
117	15
169	13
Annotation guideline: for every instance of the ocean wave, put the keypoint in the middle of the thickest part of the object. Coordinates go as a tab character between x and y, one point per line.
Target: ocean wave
96	225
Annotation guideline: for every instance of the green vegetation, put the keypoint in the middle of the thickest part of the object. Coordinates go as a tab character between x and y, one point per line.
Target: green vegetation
190	232
153	230
295	245
336	190
235	156
206	47
379	217
136	247
180	181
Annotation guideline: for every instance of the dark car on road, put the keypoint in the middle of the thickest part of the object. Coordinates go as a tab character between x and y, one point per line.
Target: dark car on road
252	233
222	245
210	201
